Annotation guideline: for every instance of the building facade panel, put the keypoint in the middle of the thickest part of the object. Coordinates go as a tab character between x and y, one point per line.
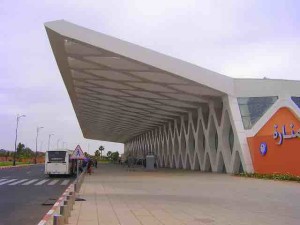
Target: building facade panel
191	143
187	116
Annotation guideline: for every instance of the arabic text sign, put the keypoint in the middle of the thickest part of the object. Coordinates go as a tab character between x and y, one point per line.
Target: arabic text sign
284	134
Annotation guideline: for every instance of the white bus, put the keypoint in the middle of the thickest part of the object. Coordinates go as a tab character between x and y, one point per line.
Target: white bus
58	162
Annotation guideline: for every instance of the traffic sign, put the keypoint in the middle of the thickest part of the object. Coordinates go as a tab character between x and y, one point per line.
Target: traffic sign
78	153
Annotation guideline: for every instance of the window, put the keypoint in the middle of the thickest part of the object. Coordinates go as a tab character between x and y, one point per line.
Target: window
56	156
253	108
296	100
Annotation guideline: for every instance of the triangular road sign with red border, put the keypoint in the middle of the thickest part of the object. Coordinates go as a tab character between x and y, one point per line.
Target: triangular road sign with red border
78	153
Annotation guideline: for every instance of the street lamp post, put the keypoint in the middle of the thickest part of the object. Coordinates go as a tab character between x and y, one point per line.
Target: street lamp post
58	142
18	118
36	141
49	141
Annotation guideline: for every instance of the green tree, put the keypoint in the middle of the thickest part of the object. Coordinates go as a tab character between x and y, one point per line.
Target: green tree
27	153
24	152
20	148
97	154
101	149
109	155
114	156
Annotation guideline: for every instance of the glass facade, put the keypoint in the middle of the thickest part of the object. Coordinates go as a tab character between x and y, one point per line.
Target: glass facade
296	100
253	108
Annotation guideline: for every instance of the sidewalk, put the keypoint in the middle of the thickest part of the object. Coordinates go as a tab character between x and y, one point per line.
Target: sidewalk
116	196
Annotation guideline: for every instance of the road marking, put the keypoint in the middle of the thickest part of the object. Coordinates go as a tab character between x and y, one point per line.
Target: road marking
2	180
53	182
65	182
17	182
42	182
30	182
8	181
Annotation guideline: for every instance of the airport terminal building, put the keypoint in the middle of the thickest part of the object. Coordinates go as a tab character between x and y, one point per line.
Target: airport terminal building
188	116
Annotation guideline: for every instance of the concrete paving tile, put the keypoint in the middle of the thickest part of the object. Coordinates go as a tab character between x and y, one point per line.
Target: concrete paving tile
127	218
165	217
107	215
141	212
87	220
116	196
90	223
148	220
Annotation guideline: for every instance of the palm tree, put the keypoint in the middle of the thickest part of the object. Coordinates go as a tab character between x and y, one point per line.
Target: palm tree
97	154
101	148
108	154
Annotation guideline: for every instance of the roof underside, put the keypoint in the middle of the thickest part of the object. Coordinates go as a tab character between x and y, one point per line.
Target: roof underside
120	90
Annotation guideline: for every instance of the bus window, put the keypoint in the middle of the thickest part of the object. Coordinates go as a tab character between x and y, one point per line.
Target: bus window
56	156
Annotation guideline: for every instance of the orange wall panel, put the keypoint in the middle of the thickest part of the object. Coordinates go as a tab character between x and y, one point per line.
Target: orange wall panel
279	158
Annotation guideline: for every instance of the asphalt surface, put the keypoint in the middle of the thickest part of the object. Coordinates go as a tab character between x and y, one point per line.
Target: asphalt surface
23	190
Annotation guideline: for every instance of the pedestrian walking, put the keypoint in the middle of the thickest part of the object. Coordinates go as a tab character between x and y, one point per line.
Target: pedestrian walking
89	167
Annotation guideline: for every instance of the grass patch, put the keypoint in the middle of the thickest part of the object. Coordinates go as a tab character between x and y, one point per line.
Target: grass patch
104	161
273	176
11	163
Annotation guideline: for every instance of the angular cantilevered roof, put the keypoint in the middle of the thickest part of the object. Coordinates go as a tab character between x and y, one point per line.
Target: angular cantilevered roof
120	90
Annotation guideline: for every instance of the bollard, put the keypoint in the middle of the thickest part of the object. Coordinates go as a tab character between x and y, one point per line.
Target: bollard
64	213
66	203
58	220
72	194
70	203
74	197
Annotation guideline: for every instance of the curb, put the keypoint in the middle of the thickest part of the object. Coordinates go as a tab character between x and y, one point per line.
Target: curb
9	167
61	210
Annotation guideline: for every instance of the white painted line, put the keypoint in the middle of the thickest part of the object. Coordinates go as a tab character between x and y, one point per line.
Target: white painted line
50	212
8	181
30	182
56	204
18	182
2	180
42	222
42	182
53	182
65	182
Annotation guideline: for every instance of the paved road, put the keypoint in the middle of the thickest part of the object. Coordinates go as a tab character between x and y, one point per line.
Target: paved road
23	192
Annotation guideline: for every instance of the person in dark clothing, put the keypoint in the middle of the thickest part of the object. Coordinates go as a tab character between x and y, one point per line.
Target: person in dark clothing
95	163
89	167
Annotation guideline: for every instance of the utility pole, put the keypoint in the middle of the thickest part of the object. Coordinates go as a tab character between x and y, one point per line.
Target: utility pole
49	141
58	142
36	141
18	118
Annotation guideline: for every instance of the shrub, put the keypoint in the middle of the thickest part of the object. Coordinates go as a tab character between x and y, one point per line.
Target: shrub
272	176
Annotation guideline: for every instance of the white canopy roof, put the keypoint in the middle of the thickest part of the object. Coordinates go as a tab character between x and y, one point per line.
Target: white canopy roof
120	90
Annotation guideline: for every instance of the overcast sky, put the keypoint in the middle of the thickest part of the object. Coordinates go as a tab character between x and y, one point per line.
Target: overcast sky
235	38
